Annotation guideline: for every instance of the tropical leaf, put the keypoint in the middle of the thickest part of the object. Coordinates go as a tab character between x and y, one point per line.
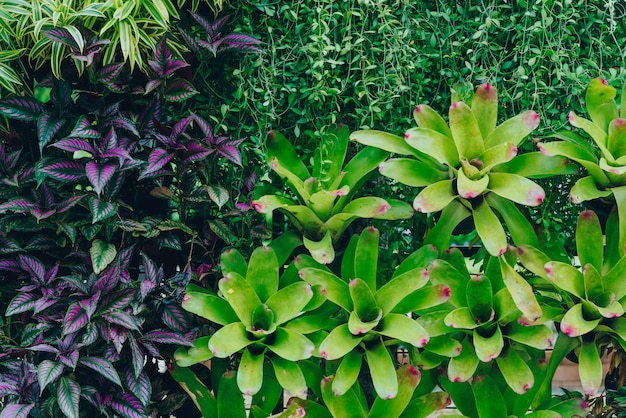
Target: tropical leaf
99	175
101	209
166	337
47	127
179	90
218	195
16	410
103	367
140	386
127	405
22	108
22	302
75	318
122	318
102	254
68	394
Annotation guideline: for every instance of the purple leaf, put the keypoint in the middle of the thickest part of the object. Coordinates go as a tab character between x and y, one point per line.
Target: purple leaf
90	304
90	335
68	394
16	410
123	123
68	203
62	36
166	337
74	144
47	127
191	42
137	356
240	43
122	318
204	127
175	317
46	348
40	214
153	273
152	84
108	280
179	90
117	300
70	359
22	108
84	129
17	205
110	73
180	127
65	171
128	406
196	152
44	196
22	302
206	25
99	175
74	319
157	159
145	287
151	349
43	303
101	210
139	385
103	367
9	245
48	372
231	153
34	267
10	386
10	265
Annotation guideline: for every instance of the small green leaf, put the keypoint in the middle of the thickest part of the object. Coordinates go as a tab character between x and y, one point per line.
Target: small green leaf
229	339
480	298
240	295
262	273
382	370
338	343
200	352
516	372
590	367
347	373
488	348
403	328
250	372
102	254
574	324
462	367
322	251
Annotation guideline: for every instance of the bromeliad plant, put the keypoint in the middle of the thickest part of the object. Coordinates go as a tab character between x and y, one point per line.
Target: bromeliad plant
469	168
603	156
325	204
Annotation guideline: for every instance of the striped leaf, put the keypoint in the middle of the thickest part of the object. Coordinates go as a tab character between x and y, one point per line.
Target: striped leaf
140	386
22	108
103	367
68	394
121	318
179	90
128	406
101	210
99	175
47	127
22	302
16	410
65	171
102	254
75	318
166	337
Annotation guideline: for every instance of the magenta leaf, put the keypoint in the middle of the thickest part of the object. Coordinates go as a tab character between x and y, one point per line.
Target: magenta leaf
75	318
175	317
191	42
108	280
99	175
34	267
47	372
137	356
101	210
109	73
70	359
123	123
68	394
90	335
122	318
180	127
117	300
158	159
90	304
62	36
103	367
196	152
240	43
128	406
179	90
9	245
68	203
40	214
16	410
153	273
65	171
22	302
17	205
230	152
47	127
10	265
74	144
84	129
166	337
139	385
22	108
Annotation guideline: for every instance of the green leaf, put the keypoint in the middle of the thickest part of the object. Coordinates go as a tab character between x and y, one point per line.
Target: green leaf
590	367
480	298
600	101
516	372
101	210
102	254
444	345
521	230
197	391
408	379
403	328
566	277
442	272
347	372
229	339
322	251
289	376
521	292
411	172
382	370
230	403
240	295
366	259
462	367
396	289
424	406
435	144
48	372
470	188
485	109
200	352
262	273
346	405
489	229
435	197
516	188
488	348
424	298
574	323
289	301
513	130
598	134
250	372
338	343
278	147
68	396
357	171
489	400
336	289
232	260
102	367
209	306
540	337
291	345
451	216
385	141
617	137
426	117
465	131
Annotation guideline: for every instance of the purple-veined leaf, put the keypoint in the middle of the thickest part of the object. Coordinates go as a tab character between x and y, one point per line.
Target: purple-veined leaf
196	152
190	41
174	65
75	318
206	25
230	153
122	318
22	302
239	42
68	395
33	266
145	287
9	245
10	265
99	175
179	90
123	123
137	356
63	36
101	209
90	304
48	372
84	129
139	385
111	354
152	84
69	230
90	231
161	54
204	126
102	254
153	273
116	183
218	195
103	367
16	410
118	336
46	348
107	281
151	349
52	272
90	335
21	108
128	406
158	159
69	359
65	171
47	127
166	337
40	214
74	144
109	73
117	300
169	241
130	225
61	94
68	203
75	283
9	385
175	317
44	303
169	225
18	205
43	196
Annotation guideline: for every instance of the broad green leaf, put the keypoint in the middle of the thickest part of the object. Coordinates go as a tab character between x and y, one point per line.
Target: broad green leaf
489	229
382	370
435	144
68	396
462	367
488	348
411	172
434	323
230	403
426	117
424	298
465	131
289	376
209	306
385	141
322	251
480	298
565	277
513	130
521	292
516	188
600	101
485	108
395	290
290	301
516	372
357	171
346	405
102	254
250	372
47	372
361	326
280	148
200	352
620	200
614	279
229	339
197	391
444	345
470	188
617	137
598	134
461	318
240	295
408	379
590	367
442	272
533	259
489	400
403	328
538	165
338	343
435	197
574	323
461	394
451	216
424	406
232	260
262	273
366	260
291	345
540	337
498	154
347	372
336	289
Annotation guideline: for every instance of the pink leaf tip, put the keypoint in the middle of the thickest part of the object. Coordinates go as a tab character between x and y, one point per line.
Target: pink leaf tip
445	292
532	119
603	81
413	370
383	209
571	117
535	197
352	283
424	341
418	108
455	105
324	354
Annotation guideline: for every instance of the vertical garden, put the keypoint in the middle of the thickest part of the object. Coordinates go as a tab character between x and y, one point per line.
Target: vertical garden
311	208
